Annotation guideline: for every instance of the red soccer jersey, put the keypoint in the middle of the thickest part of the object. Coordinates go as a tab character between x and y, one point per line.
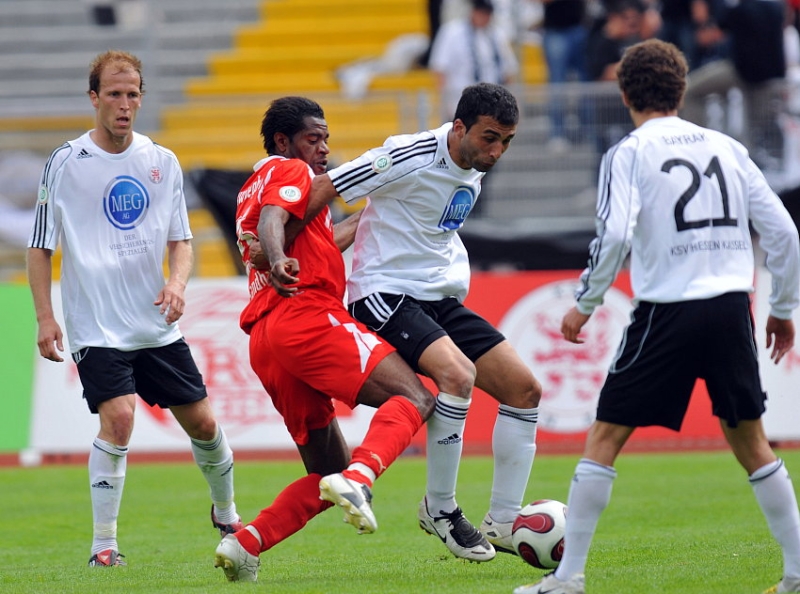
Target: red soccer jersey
286	183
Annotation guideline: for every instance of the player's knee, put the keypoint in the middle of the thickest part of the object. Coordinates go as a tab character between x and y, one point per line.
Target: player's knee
457	379
527	395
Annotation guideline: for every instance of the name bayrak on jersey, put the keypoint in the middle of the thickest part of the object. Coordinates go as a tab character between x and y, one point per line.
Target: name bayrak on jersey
125	203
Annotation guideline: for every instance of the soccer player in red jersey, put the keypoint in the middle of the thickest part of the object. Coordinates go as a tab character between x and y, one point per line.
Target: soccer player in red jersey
307	349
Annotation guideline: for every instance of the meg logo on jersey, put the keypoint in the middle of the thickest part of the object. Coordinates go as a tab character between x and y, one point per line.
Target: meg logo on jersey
457	209
125	202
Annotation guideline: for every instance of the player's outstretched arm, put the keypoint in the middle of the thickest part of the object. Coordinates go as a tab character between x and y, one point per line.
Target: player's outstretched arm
780	336
321	194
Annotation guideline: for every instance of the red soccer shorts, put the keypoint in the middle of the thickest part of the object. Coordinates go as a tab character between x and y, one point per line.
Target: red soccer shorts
309	350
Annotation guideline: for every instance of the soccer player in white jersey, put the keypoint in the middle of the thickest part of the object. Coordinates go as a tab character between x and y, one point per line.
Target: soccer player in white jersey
409	280
114	200
679	199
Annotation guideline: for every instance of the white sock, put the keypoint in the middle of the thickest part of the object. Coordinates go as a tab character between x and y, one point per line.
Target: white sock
363	469
445	435
107	464
589	495
513	447
215	460
774	492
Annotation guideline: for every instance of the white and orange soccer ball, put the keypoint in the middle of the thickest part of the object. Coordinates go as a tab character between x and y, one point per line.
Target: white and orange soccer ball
538	533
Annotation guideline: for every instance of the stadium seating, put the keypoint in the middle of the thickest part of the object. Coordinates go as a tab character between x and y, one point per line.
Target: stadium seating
211	69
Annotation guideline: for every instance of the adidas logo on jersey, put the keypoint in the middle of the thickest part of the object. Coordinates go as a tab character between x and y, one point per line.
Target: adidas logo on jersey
442	164
84	154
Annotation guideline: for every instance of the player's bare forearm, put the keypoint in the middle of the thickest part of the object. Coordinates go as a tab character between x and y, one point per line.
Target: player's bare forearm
344	232
171	298
571	325
272	224
321	194
40	272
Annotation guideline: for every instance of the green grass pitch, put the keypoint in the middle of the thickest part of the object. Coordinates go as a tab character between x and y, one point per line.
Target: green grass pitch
678	523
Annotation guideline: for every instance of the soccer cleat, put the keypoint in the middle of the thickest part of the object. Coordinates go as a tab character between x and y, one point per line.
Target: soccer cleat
785	585
237	564
498	534
456	532
225	529
354	497
550	584
107	558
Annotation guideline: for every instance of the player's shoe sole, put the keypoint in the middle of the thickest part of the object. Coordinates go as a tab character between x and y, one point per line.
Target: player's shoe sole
552	585
353	497
237	564
457	533
498	534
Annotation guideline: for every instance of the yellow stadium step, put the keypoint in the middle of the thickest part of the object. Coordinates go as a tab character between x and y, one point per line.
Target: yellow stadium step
233	112
290	9
302	59
533	65
262	83
46	123
212	255
287	34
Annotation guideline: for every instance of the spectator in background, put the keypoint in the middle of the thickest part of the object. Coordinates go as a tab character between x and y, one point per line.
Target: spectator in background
610	36
687	24
756	66
470	50
434	10
564	42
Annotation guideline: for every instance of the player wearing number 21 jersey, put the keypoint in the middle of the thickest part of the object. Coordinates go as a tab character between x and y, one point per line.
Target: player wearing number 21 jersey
679	198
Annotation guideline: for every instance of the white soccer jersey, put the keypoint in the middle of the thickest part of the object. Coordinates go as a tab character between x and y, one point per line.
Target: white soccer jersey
679	198
407	240
113	214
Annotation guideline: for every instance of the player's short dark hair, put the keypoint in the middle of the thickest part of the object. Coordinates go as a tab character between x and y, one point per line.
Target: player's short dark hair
287	115
484	5
487	99
652	74
122	59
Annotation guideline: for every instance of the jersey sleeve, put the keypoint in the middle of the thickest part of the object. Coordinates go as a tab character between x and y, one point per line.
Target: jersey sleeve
47	225
376	169
179	229
289	187
779	239
617	209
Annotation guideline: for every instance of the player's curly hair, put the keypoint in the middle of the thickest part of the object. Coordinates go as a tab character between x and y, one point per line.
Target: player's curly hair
487	99
652	74
287	115
125	60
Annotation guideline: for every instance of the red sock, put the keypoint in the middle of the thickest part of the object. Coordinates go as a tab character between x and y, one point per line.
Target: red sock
389	433
291	510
